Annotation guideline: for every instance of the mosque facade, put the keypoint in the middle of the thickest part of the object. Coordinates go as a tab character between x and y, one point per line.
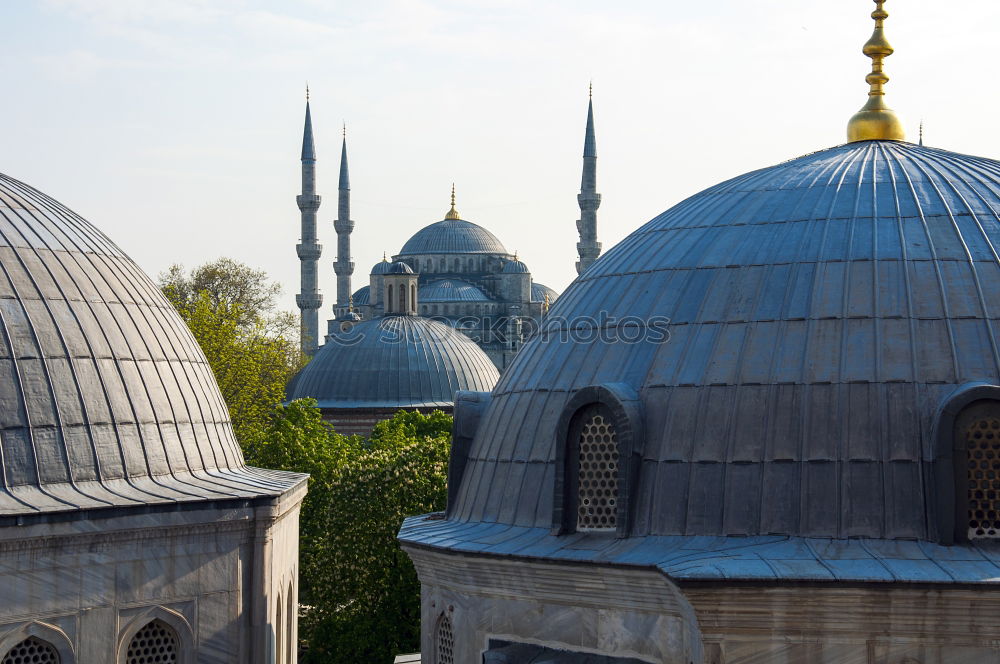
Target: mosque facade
804	468
467	278
131	529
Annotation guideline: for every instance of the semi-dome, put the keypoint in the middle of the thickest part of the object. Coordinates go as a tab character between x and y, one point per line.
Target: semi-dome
796	333
451	290
362	296
453	236
107	399
394	362
539	291
515	267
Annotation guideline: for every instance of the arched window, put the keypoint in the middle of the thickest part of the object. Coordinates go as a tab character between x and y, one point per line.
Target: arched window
444	641
32	651
977	444
428	266
388	298
413	297
279	626
156	643
402	298
290	616
594	459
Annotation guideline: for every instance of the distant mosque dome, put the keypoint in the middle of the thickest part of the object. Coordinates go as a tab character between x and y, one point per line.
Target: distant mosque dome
394	362
451	290
515	267
382	267
399	268
540	291
453	236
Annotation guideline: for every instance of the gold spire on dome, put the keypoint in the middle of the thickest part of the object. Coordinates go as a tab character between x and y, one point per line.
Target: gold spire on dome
452	213
385	259
876	121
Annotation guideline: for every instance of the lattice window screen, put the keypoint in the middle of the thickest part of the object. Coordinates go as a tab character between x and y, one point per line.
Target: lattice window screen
156	643
445	642
32	651
597	492
982	442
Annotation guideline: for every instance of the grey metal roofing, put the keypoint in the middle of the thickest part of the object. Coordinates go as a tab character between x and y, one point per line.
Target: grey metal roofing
539	291
515	267
820	312
362	296
450	290
766	558
394	362
453	236
106	400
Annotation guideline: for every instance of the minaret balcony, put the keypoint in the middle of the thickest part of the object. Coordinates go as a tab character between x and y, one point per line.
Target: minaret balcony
589	201
343	267
309	251
308	202
343	226
309	300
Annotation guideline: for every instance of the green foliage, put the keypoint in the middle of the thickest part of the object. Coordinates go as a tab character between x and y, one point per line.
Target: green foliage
249	347
359	593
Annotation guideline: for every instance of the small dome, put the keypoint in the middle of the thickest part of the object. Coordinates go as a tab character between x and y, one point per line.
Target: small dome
453	236
539	291
107	399
394	362
399	267
362	296
451	290
515	267
381	267
815	317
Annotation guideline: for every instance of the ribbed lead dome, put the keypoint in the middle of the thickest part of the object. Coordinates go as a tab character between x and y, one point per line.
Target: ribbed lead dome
821	312
105	397
453	236
394	362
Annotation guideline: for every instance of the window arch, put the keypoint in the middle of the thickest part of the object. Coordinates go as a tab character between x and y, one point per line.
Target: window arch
413	297
279	625
32	650
402	298
977	465
155	643
290	620
444	641
388	298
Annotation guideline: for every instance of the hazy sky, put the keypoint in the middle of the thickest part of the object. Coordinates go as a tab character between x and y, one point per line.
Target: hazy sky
175	125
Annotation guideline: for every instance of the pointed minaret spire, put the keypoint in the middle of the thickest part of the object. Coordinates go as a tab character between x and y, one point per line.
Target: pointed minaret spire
588	247
343	266
308	249
452	213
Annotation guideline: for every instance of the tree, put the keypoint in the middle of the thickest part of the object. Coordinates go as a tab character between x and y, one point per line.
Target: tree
359	592
252	349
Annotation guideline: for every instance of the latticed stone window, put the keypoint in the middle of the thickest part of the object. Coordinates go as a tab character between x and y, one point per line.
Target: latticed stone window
156	643
445	641
979	426
597	468
32	651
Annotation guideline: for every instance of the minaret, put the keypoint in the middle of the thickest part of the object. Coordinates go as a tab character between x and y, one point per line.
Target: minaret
308	249
588	247
343	266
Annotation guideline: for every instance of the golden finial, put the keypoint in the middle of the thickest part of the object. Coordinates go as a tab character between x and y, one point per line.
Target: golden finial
876	121
452	213
307	91
350	304
515	254
546	307
590	90
385	259
345	130
921	133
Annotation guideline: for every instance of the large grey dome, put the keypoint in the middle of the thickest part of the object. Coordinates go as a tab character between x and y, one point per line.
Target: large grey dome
107	400
821	313
394	362
453	236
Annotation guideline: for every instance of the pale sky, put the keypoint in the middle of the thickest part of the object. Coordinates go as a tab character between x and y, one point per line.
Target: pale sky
175	125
